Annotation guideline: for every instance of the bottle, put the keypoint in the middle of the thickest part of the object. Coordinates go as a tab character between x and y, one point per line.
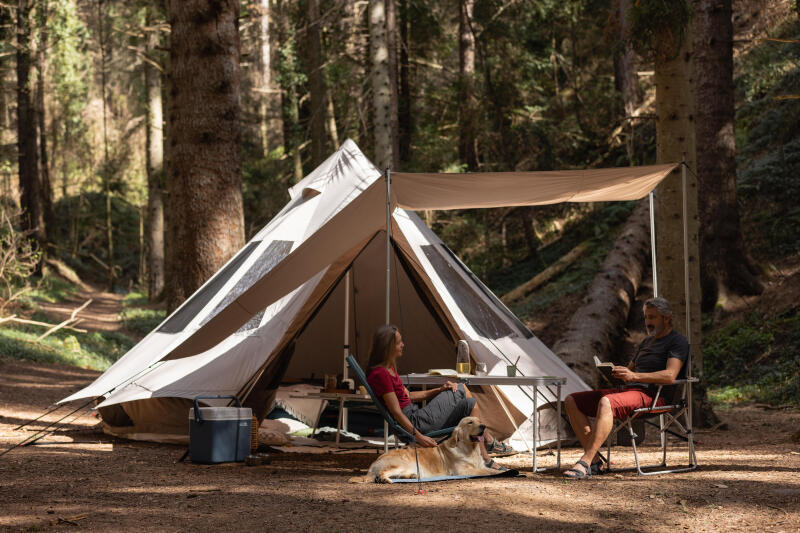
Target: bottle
462	357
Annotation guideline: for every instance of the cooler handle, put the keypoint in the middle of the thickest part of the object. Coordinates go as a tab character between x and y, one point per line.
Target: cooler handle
197	417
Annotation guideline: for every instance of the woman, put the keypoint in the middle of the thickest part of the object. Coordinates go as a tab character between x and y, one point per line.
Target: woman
446	405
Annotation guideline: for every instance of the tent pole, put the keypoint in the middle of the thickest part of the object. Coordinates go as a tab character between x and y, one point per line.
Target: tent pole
653	244
387	176
686	254
346	348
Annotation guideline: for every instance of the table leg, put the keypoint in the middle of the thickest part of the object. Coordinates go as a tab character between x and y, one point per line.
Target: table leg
558	427
535	425
339	422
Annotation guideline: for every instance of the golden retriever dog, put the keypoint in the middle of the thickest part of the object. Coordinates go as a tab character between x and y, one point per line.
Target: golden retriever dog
457	456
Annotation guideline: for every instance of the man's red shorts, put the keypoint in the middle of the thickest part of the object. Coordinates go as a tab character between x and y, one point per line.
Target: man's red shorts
623	402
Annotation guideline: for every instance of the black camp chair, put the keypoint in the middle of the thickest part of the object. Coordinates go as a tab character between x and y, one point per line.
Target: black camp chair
388	421
669	421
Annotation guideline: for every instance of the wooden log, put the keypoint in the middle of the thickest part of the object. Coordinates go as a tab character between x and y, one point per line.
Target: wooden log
545	275
66	322
597	325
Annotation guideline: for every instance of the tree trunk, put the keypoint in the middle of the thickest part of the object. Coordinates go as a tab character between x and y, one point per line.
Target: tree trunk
675	142
381	84
205	161
597	326
391	39
625	78
269	101
154	128
49	214
106	166
29	184
316	85
290	112
466	63
404	122
725	267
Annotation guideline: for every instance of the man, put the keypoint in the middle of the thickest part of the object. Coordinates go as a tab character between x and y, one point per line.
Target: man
658	361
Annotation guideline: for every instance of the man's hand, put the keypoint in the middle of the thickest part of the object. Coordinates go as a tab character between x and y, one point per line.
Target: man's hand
449	385
425	442
623	373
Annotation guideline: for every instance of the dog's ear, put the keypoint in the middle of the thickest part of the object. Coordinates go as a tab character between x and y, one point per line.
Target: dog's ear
455	436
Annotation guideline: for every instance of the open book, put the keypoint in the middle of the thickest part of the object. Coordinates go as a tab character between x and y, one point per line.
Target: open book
449	372
605	369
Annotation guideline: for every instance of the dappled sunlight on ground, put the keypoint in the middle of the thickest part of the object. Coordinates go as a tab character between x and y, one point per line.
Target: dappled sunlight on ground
748	475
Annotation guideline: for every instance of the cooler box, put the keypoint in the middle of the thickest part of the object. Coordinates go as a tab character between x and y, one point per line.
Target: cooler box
219	434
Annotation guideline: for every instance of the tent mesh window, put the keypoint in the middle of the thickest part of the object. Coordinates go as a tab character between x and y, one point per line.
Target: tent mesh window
181	318
499	305
483	317
271	256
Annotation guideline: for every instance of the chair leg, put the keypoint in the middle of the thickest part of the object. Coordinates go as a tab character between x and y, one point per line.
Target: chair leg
663	431
385	436
635	452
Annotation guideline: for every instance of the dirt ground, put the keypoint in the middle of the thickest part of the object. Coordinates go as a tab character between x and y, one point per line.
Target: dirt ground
81	479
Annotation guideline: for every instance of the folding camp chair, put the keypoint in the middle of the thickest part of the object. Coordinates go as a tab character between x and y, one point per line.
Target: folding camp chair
679	406
388	421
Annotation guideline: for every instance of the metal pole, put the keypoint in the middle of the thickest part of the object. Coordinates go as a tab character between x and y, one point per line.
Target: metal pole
686	256
653	244
388	238
346	348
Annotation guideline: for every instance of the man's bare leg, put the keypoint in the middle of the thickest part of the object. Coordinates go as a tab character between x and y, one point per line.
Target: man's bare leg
591	438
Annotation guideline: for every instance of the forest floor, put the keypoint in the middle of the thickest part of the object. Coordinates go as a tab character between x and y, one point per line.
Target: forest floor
82	479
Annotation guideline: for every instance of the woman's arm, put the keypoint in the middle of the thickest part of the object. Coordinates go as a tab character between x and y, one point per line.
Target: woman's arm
393	406
421	395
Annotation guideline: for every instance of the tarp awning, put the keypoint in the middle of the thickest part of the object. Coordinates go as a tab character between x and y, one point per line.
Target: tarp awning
417	191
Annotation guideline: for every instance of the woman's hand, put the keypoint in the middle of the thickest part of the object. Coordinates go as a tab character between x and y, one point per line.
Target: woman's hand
449	385
425	442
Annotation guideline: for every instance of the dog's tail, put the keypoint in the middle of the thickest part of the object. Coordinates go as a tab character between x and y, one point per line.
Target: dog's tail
368	478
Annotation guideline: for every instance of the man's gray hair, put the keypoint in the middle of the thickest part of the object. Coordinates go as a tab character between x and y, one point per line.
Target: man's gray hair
661	304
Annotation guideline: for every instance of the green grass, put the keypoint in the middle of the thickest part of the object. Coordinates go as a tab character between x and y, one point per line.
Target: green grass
140	320
754	359
94	350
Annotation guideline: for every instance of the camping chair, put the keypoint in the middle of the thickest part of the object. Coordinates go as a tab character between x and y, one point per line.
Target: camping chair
388	421
669	417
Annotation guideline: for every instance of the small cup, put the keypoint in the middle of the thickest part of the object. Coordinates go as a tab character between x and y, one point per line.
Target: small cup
480	369
330	382
511	370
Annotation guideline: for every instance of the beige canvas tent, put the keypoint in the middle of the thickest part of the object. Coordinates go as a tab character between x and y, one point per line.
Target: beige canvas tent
315	283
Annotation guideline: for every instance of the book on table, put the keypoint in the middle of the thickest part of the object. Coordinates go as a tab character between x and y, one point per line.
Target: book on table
606	368
448	372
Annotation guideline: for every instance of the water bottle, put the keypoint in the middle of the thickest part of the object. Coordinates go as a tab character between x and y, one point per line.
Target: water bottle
462	357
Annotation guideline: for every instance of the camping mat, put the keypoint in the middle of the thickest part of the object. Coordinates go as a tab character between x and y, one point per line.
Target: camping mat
504	473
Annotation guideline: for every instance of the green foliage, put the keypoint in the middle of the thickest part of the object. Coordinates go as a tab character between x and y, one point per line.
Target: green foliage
755	359
137	317
658	26
51	289
264	189
768	142
599	227
141	320
81	232
93	350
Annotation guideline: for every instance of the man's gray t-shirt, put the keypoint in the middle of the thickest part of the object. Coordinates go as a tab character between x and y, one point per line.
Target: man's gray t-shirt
653	353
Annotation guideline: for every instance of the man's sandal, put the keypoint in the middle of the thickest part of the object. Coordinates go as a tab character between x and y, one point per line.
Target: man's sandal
574	473
499	449
597	468
495	466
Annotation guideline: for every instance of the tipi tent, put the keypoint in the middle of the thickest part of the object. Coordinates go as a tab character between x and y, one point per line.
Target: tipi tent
309	287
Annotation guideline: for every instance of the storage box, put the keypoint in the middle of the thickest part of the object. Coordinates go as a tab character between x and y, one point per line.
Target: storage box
219	434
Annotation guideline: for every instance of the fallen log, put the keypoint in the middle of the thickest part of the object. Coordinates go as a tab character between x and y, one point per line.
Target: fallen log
597	325
545	275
